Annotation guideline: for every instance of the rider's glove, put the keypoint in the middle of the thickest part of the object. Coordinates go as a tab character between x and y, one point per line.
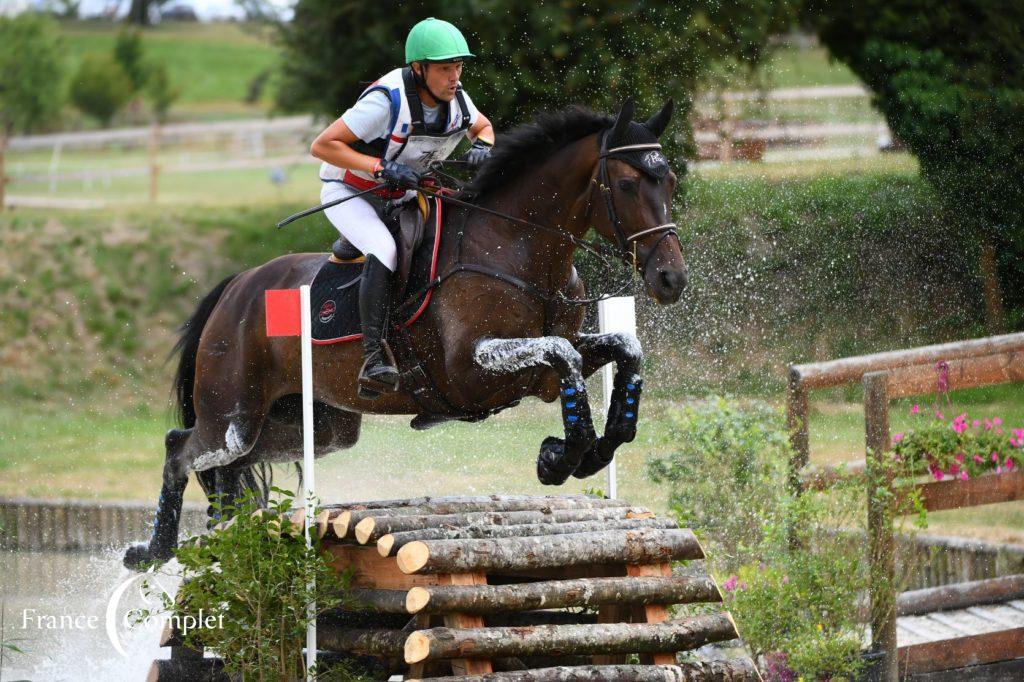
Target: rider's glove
478	153
396	173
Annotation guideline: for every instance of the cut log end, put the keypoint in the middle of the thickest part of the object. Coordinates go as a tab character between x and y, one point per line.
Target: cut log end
413	557
341	524
417	599
417	647
364	529
322	523
735	630
385	544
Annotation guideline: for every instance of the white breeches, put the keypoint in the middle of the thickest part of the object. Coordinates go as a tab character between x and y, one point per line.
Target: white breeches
358	224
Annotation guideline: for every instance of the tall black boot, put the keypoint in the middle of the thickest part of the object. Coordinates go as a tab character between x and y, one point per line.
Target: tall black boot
378	375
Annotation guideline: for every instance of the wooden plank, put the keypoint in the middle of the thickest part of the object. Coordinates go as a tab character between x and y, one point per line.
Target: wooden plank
836	372
1005	615
467	666
962	651
986	489
929	630
654	613
905	637
1003	671
960	595
372	570
965	622
985	370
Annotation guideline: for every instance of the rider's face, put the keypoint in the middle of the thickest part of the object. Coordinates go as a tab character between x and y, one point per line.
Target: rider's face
442	79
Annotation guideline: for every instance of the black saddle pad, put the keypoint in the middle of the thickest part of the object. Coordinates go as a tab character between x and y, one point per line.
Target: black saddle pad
334	293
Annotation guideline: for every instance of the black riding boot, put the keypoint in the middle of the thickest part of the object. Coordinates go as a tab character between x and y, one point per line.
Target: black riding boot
378	375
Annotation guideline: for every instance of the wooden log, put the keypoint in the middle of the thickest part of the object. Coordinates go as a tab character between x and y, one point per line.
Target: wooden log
387	601
383	643
984	370
944	654
372	528
720	671
836	372
645	546
344	522
675	635
984	489
192	669
557	594
959	596
388	545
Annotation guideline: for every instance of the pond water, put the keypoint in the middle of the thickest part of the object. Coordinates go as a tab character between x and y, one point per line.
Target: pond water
68	612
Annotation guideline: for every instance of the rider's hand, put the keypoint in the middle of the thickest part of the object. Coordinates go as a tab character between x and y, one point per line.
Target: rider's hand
396	173
478	153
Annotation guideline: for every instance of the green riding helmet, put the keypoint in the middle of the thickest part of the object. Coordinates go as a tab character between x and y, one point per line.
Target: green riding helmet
434	40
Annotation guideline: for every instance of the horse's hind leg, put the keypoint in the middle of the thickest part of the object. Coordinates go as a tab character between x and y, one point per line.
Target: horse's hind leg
558	458
168	509
624	409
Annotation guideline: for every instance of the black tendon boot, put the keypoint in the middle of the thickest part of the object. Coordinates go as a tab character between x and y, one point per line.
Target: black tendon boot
378	375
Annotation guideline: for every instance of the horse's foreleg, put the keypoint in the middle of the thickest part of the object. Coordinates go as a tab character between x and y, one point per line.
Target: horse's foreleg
624	350
558	458
168	509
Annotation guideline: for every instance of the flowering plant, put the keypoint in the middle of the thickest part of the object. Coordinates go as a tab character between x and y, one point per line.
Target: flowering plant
961	448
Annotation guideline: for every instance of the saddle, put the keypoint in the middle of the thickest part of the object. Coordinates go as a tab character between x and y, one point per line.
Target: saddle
334	292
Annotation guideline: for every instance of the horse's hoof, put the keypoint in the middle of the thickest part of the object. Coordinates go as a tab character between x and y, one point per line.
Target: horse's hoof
139	557
551	469
596	458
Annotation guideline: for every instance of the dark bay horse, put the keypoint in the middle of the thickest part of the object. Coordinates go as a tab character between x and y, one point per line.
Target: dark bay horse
503	324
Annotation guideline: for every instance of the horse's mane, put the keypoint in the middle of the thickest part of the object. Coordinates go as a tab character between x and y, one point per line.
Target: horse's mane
529	144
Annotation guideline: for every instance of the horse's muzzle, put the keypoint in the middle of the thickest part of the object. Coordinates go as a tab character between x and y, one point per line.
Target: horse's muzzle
666	284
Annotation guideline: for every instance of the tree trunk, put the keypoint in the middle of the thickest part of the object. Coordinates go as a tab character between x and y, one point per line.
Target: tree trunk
605	638
138	12
555	594
645	546
388	545
385	643
3	175
724	671
995	313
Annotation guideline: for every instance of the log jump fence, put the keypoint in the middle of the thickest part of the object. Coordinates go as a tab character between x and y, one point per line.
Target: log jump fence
973	629
511	588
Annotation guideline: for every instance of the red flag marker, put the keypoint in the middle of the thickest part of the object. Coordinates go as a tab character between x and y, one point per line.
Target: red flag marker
284	312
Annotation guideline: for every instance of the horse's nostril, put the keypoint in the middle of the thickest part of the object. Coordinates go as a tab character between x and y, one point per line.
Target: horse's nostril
672	280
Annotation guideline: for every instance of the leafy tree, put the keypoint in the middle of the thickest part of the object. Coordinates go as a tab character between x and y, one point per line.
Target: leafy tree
160	92
128	52
531	57
31	78
949	79
101	87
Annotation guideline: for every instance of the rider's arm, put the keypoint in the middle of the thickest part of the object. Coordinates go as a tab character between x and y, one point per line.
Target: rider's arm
482	129
332	146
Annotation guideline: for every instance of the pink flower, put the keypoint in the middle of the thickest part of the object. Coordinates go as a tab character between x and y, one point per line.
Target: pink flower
963	475
785	580
959	427
1019	433
939	415
730	583
996	421
915	409
975	423
960	457
988	424
897	437
1014	442
954	469
979	459
937	473
999	469
1008	464
995	457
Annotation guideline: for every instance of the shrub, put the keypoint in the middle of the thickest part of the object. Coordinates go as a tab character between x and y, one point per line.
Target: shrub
787	566
101	88
128	53
160	92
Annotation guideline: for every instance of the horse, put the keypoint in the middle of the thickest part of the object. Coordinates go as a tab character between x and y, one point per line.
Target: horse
504	321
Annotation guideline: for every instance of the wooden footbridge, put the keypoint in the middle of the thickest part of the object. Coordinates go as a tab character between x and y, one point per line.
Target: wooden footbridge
964	631
513	589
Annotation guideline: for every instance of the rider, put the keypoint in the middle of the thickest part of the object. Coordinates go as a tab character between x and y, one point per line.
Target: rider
401	123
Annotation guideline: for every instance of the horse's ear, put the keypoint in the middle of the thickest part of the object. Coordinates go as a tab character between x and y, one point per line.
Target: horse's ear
659	122
625	116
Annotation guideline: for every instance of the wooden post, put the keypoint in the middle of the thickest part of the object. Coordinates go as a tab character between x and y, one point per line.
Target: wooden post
796	425
467	666
154	164
654	613
3	176
881	542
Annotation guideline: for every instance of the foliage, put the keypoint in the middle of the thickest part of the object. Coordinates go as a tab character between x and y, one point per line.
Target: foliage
129	53
255	577
950	82
101	88
160	92
961	448
530	57
31	73
8	646
791	572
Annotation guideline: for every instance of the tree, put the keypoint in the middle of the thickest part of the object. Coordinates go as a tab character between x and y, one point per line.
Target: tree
531	56
129	54
31	78
949	79
101	87
139	11
160	91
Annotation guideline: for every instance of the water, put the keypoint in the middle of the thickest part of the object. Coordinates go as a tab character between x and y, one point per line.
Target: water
57	606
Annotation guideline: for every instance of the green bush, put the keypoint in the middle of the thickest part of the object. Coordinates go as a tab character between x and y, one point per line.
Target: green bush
31	73
254	579
786	564
101	87
128	52
160	92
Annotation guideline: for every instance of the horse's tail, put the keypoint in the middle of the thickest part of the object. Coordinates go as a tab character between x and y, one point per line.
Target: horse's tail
259	477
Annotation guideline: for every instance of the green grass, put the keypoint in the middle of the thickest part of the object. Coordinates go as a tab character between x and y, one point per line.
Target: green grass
794	67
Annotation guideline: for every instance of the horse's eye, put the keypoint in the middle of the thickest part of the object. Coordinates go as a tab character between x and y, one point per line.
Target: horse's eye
628	186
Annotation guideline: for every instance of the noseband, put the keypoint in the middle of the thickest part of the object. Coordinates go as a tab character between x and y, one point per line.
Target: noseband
603	183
